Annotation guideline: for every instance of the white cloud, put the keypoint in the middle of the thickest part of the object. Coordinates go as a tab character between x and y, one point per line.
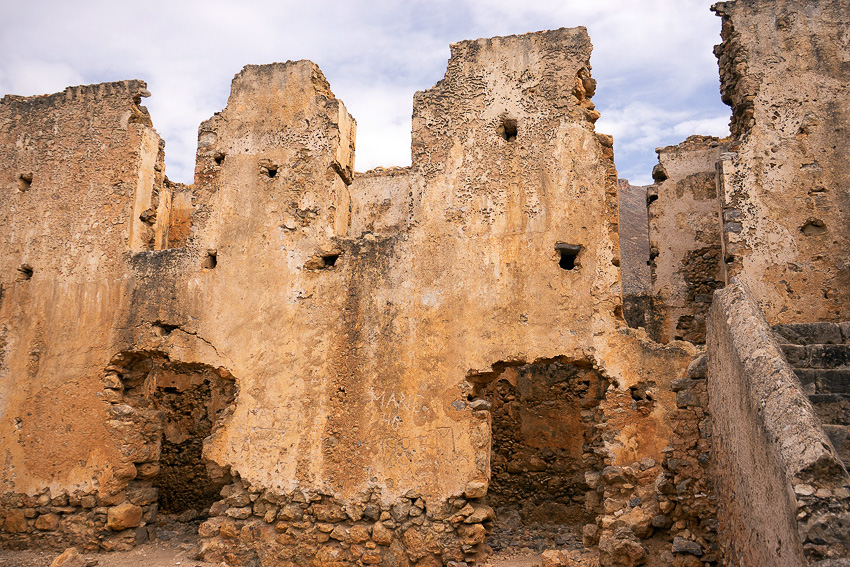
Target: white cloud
657	75
716	126
34	76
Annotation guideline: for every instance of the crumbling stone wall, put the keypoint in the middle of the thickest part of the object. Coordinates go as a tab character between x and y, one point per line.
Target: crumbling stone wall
782	488
343	332
634	255
684	236
783	70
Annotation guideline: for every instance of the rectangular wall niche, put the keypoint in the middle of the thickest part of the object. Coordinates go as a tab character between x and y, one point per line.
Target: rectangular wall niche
175	407
543	441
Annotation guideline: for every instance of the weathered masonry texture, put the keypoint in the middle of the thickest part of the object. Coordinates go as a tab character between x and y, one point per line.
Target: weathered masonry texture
425	365
684	238
634	254
784	69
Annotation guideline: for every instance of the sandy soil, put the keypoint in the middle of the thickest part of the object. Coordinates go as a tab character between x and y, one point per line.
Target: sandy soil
152	554
161	554
526	557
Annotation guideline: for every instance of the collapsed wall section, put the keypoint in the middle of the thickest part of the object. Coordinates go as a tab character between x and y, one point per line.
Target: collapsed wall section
634	254
684	236
784	70
544	440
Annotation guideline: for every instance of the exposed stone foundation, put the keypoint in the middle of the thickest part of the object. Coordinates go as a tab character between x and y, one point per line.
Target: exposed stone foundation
258	527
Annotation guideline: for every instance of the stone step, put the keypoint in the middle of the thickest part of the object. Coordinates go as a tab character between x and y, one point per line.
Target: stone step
829	398
813	333
832	408
824	380
837	435
817	355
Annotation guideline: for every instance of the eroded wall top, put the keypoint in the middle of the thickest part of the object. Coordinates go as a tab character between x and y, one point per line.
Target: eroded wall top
784	67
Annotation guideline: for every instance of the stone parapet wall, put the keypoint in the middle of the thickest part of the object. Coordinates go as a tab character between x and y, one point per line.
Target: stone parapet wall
783	491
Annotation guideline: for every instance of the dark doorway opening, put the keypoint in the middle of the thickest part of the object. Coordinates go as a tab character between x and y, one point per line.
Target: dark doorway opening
543	441
169	409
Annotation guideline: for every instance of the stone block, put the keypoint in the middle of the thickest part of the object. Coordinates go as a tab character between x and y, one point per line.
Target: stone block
15	522
809	333
682	384
475	489
123	516
682	545
380	534
47	522
471	534
620	549
70	558
211	527
829	356
698	368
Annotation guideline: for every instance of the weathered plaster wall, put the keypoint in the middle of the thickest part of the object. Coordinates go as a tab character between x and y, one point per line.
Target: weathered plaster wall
779	480
684	235
382	201
78	169
332	326
784	67
634	254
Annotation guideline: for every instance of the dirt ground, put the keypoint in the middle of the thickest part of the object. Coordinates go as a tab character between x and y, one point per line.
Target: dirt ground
176	546
525	557
152	554
163	554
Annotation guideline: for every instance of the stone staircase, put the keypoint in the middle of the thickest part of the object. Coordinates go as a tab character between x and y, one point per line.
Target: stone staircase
820	356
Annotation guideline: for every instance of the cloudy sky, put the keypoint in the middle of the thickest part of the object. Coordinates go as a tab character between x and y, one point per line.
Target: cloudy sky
652	58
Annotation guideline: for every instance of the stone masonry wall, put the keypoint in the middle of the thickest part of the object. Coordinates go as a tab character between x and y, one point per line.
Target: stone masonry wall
784	67
309	338
684	235
782	487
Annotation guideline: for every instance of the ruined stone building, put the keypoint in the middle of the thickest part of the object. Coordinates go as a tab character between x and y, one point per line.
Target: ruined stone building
417	366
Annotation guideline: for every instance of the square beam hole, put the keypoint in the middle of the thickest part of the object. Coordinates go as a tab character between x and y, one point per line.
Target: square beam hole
25	273
24	181
568	253
269	170
210	261
508	129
